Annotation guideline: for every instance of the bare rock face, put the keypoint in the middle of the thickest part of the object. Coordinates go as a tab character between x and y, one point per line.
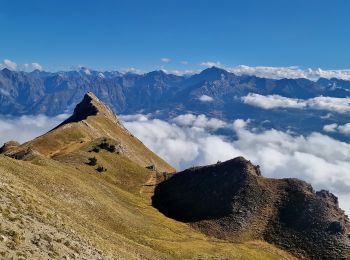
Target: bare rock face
231	200
89	106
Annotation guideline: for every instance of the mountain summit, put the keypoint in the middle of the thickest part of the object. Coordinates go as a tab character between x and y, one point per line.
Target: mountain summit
91	123
90	106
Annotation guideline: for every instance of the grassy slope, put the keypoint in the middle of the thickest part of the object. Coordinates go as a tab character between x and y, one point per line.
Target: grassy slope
72	137
108	212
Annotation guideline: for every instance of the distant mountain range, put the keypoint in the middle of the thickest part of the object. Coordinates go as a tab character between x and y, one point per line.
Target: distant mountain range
214	92
55	93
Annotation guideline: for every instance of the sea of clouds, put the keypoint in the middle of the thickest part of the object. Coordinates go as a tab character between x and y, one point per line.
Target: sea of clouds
25	128
189	140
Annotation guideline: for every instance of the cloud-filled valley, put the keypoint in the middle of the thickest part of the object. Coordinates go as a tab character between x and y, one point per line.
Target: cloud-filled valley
189	140
317	158
25	128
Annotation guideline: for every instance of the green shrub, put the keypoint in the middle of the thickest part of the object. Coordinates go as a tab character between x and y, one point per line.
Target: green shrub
112	148
101	169
95	149
92	161
108	147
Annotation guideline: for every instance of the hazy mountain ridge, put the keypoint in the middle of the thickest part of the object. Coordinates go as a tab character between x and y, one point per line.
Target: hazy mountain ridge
55	93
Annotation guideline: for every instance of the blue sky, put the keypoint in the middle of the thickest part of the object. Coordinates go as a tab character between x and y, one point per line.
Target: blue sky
115	34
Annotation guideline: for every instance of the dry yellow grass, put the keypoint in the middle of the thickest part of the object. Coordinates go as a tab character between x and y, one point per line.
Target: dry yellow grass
118	223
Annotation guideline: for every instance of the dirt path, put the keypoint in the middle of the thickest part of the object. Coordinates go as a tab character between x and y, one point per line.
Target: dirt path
147	189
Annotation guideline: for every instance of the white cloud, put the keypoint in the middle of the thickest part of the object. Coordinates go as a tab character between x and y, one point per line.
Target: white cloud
206	98
291	72
209	64
135	117
272	101
133	70
332	128
9	64
317	158
344	129
200	121
31	66
328	115
339	105
12	128
36	66
166	60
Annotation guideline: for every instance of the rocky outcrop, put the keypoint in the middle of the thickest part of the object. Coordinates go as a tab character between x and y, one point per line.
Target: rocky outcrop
90	106
8	146
231	200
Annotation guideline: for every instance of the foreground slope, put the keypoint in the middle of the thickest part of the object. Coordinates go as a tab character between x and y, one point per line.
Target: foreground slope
232	201
56	205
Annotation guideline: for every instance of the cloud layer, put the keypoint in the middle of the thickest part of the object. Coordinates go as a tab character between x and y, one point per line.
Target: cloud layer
335	128
291	72
184	142
339	105
25	128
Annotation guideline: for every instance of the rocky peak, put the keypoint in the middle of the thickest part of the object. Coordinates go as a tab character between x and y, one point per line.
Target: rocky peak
90	106
8	73
214	73
240	162
209	189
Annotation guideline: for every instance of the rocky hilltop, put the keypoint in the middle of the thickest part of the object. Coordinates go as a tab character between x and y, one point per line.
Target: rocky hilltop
232	201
